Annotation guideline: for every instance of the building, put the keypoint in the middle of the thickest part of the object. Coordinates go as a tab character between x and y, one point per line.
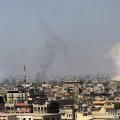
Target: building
13	95
7	117
29	116
67	112
23	107
71	83
37	108
9	106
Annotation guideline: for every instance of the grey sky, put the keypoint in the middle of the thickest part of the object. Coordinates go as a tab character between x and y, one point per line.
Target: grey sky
88	28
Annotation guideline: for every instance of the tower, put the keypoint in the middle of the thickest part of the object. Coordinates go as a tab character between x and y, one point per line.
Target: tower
25	82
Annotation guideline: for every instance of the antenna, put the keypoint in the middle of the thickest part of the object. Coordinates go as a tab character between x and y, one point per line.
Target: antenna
25	81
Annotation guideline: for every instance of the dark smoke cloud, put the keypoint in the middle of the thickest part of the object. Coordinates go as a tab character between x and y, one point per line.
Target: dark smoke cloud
53	47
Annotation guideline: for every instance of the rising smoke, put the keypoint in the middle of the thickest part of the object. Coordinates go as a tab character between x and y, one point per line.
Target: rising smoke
115	55
53	47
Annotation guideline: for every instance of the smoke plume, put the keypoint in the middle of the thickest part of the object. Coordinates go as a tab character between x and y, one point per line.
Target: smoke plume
115	55
53	47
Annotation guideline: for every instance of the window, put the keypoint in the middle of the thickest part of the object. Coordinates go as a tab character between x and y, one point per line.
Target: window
38	108
12	108
7	108
29	118
109	103
24	118
84	114
35	108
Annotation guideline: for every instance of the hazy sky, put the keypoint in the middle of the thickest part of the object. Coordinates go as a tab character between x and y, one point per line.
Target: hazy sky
77	33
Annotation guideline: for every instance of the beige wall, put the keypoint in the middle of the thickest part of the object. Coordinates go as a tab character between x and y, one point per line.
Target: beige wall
79	116
39	108
14	96
9	117
26	117
31	116
66	113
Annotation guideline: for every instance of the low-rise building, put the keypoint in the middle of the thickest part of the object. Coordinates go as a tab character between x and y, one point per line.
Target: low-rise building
28	116
23	107
67	112
13	95
71	83
37	108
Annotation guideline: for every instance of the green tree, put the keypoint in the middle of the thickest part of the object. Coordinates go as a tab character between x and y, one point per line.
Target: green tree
53	107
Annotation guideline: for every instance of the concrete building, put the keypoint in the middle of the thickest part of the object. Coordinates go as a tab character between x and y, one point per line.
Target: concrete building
9	106
71	83
67	112
23	107
37	108
28	116
7	117
13	95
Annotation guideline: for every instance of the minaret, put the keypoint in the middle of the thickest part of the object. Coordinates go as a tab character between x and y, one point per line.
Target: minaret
25	81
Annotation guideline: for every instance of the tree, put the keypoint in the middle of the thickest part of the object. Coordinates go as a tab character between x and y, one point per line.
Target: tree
53	107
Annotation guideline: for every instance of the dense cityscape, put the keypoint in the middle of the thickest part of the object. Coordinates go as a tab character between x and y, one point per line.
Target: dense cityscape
88	97
59	59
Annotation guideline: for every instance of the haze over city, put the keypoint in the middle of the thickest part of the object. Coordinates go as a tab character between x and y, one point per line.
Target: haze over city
60	60
58	37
